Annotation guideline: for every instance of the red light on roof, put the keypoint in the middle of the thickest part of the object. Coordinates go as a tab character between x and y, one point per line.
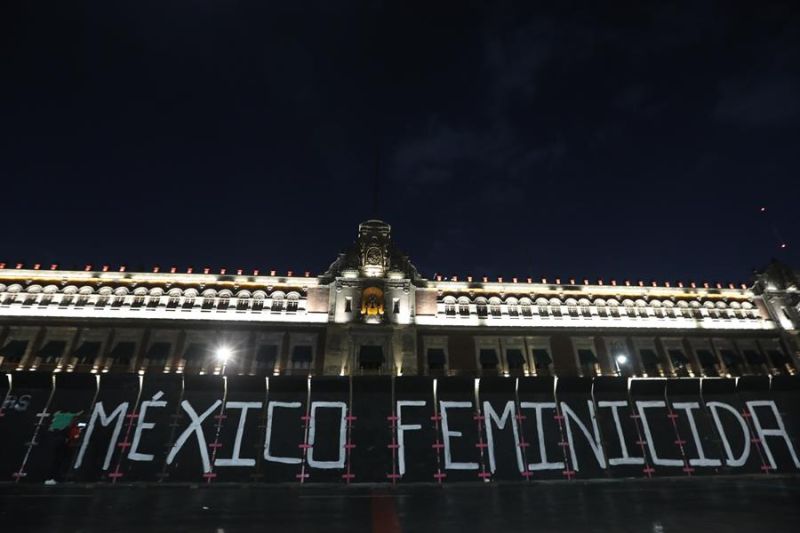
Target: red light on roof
558	281
37	266
289	273
19	265
530	280
744	286
499	280
667	284
255	272
719	285
238	271
654	284
514	280
731	286
2	265
680	284
222	271
641	283
105	268
705	284
54	267
206	270
572	281
544	280
172	270
614	282
189	270
122	268
485	279
627	283
599	281
87	268
271	272
438	278
693	285
156	269
469	279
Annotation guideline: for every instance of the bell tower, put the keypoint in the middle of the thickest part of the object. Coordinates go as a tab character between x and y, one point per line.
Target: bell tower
373	241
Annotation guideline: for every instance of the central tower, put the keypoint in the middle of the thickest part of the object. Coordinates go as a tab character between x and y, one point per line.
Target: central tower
374	237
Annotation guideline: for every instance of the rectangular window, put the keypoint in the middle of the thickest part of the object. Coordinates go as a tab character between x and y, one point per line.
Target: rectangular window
266	357
516	361
370	358
437	361
13	351
348	305
487	357
302	355
708	362
543	362
680	363
649	361
123	353
87	352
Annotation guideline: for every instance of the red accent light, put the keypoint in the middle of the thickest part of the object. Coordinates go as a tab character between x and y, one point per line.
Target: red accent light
530	280
680	284
469	279
206	270
238	271
19	265
693	285
667	284
271	272
255	272
572	281
173	270
705	284
719	285
485	279
105	268
122	268
87	268
189	270
499	280
514	280
599	281
37	266
2	265
558	281
289	273
614	282
544	280
222	271
156	269
641	283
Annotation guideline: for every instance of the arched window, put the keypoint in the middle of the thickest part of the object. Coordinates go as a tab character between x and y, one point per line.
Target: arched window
463	306
449	306
494	306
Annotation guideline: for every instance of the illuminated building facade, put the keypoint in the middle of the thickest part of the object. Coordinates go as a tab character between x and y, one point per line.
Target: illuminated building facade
371	312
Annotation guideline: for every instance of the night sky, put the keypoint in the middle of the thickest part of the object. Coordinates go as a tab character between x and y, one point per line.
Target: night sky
638	142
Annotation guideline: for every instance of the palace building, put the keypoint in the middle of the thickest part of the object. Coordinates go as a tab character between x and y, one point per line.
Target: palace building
372	312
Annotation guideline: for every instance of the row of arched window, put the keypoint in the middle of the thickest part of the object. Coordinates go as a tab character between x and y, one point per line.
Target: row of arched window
515	307
152	298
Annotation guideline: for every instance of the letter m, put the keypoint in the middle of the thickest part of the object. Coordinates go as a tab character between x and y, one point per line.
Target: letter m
105	421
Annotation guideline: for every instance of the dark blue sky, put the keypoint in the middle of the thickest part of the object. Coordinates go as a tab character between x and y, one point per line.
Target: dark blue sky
633	142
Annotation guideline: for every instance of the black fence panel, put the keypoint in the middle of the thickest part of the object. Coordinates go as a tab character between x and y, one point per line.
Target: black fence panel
287	430
732	429
241	454
584	440
194	450
542	428
657	423
460	430
625	446
329	430
103	443
504	454
418	439
769	433
26	406
785	392
373	459
58	436
694	427
150	435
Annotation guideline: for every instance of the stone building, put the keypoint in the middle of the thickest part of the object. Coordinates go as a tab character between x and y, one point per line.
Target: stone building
371	312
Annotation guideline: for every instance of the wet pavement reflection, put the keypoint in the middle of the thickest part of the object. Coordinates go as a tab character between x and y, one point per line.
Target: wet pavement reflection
655	506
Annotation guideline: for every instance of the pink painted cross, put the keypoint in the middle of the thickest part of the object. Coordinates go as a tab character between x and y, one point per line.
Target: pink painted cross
680	442
439	476
393	477
115	475
124	444
209	475
688	470
348	476
437	445
526	474
569	474
215	445
523	444
304	446
484	475
301	476
480	444
349	446
649	470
